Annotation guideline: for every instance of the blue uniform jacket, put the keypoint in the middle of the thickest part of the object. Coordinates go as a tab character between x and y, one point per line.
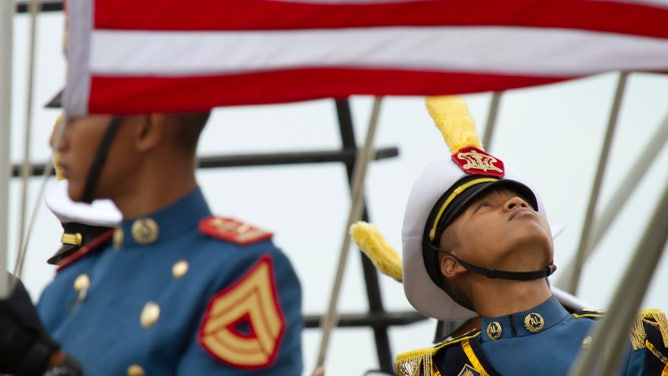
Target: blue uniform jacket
207	296
542	341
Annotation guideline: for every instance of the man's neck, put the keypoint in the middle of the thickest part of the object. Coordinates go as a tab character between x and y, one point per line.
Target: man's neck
495	297
155	189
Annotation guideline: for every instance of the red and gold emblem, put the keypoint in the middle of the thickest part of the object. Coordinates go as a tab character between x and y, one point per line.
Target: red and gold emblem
478	162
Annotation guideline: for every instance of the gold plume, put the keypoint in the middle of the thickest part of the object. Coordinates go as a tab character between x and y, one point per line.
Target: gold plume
377	249
453	119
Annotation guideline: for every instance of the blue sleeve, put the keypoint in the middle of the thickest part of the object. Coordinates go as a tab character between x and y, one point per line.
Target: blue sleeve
253	322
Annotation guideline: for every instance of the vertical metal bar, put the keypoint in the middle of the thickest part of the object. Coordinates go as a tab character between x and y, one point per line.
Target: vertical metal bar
385	360
26	168
586	238
610	336
491	120
6	46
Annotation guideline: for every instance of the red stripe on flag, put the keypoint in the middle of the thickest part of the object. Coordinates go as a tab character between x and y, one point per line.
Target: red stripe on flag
595	15
127	95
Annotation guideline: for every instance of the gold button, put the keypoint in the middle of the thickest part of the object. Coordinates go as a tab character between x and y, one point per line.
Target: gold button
494	330
534	322
145	231
180	268
81	282
118	238
150	314
135	370
586	342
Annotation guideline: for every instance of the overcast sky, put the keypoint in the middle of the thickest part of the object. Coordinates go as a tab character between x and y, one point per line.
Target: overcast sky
551	134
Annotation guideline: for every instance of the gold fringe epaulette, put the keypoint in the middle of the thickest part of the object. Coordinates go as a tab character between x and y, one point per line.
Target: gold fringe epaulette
415	362
410	363
654	317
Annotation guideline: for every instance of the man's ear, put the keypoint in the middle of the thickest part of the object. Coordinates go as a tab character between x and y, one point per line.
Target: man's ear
450	267
149	131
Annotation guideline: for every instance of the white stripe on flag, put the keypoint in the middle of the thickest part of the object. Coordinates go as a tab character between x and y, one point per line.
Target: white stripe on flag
525	51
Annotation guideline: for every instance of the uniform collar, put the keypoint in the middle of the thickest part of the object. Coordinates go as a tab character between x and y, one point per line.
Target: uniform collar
169	222
525	323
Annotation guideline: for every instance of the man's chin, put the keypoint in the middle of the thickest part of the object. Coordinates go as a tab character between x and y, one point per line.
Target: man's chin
75	194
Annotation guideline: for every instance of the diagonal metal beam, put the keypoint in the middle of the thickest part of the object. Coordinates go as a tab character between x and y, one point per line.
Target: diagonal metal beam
585	238
621	195
355	177
610	336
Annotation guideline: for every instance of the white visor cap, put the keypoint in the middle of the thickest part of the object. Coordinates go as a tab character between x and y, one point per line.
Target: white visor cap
98	213
424	295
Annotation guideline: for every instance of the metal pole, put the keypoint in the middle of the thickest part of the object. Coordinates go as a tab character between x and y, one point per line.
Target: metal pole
371	276
636	173
621	195
6	46
26	168
357	200
610	336
585	238
491	120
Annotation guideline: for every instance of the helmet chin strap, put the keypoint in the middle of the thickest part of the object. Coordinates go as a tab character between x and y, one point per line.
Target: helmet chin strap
98	160
502	274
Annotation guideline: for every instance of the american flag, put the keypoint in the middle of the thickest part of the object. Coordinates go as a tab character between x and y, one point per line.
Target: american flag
128	56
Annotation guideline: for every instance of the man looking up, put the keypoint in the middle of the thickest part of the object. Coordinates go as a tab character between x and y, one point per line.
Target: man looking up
476	242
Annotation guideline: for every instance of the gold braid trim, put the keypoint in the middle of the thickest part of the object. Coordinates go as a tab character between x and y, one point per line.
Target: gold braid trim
410	363
654	317
590	313
651	348
473	358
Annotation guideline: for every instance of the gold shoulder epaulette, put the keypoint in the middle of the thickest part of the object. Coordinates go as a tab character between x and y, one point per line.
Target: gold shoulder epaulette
410	363
654	317
588	313
232	230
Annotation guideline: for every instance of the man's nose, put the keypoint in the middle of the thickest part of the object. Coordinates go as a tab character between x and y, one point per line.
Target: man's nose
58	138
515	202
54	131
